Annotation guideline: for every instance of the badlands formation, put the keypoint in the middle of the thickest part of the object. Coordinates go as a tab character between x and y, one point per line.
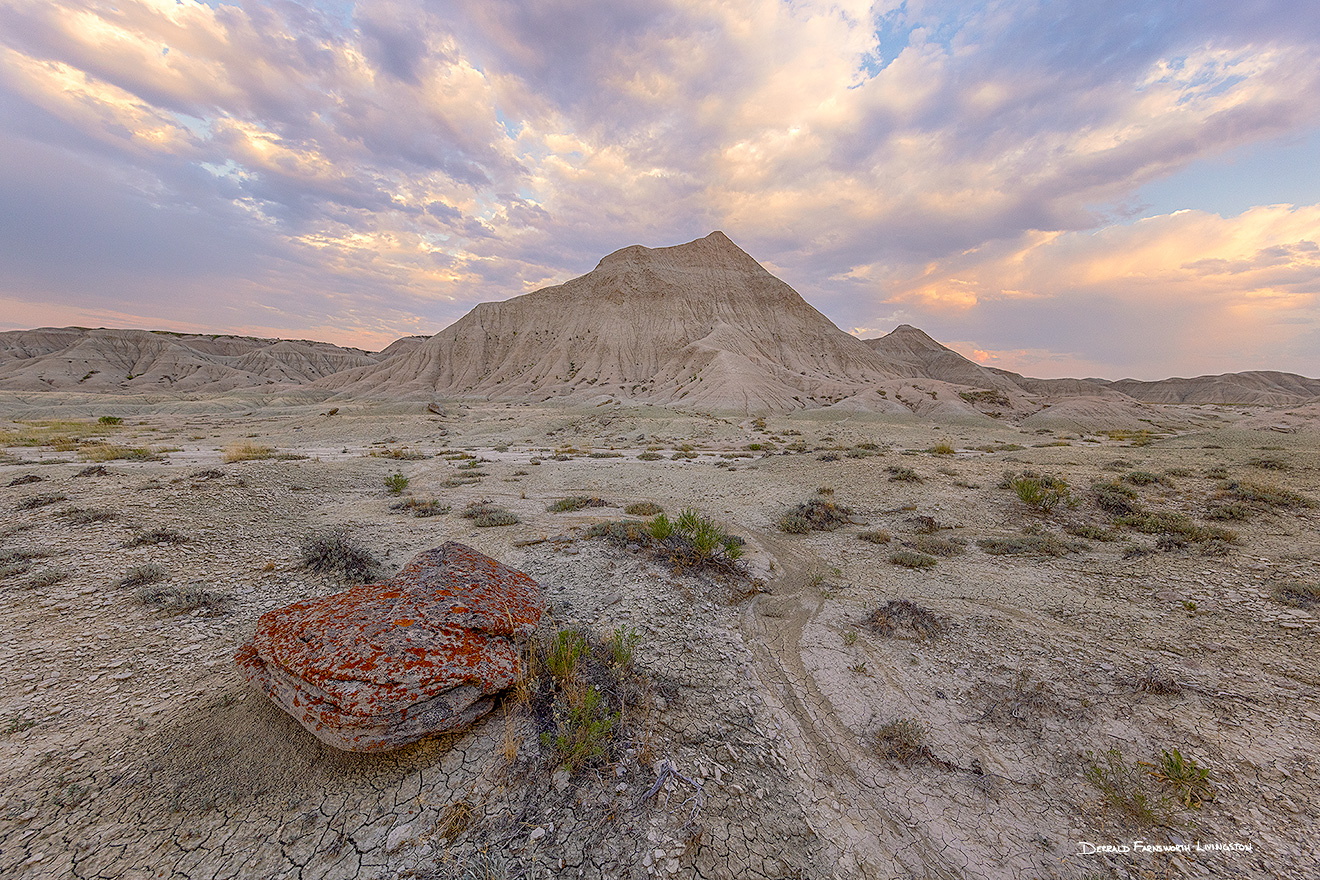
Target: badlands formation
923	618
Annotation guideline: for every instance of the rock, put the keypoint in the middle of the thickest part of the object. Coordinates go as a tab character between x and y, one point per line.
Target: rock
379	666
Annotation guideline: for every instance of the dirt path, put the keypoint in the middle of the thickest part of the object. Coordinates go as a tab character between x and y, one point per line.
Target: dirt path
844	798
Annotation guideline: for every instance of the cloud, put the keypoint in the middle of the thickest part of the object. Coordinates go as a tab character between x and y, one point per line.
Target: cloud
1189	291
387	164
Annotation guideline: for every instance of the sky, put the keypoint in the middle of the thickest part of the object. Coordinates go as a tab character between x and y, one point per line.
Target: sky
1118	189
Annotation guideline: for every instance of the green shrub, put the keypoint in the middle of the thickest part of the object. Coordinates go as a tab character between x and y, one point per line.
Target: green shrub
1190	782
1091	532
1043	492
1125	789
110	420
1263	495
396	483
1142	478
1114	498
1234	511
794	524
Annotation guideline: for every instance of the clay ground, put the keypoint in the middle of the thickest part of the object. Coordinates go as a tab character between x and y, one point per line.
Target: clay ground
131	747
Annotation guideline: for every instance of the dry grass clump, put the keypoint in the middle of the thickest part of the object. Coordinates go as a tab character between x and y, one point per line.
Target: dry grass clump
32	502
649	456
418	507
1229	511
912	559
47	578
399	454
942	448
246	450
815	514
1154	680
902	740
115	452
575	502
1020	703
336	553
1142	478
25	480
643	508
899	474
179	600
485	515
79	516
1269	463
158	535
876	536
1031	545
1299	595
903	618
945	547
141	575
1176	530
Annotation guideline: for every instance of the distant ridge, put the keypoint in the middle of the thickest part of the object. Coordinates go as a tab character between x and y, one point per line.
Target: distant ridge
129	361
700	324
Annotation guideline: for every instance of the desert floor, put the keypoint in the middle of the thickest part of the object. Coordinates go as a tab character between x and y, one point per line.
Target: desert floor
1039	711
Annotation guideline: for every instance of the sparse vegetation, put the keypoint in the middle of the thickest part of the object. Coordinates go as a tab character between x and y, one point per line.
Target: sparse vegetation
336	553
935	546
818	514
1189	781
32	502
649	456
115	452
643	508
575	502
158	535
1114	498
1125	790
418	507
875	536
1031	545
1142	478
1040	491
906	619
180	600
902	740
1154	680
942	448
1263	496
246	450
47	578
900	474
142	575
1298	594
395	483
1091	532
485	515
79	516
912	559
1269	463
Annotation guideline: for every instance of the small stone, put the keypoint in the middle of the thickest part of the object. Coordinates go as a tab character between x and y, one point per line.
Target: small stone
537	833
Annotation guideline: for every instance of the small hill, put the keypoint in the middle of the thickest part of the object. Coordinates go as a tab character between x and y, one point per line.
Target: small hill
699	324
1254	387
127	361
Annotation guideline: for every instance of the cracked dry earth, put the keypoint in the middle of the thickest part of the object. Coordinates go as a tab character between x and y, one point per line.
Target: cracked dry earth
131	747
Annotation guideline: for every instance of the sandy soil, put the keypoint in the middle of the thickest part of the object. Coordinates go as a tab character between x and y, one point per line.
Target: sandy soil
131	747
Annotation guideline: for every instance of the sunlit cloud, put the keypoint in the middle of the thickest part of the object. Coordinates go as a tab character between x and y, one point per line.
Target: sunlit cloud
382	171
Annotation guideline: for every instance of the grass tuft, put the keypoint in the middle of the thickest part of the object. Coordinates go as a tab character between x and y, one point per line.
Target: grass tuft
335	553
904	618
575	502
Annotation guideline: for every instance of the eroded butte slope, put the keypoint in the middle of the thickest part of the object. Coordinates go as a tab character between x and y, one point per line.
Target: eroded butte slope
700	324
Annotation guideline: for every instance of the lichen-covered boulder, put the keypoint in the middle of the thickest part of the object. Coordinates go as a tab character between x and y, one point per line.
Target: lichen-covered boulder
379	666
